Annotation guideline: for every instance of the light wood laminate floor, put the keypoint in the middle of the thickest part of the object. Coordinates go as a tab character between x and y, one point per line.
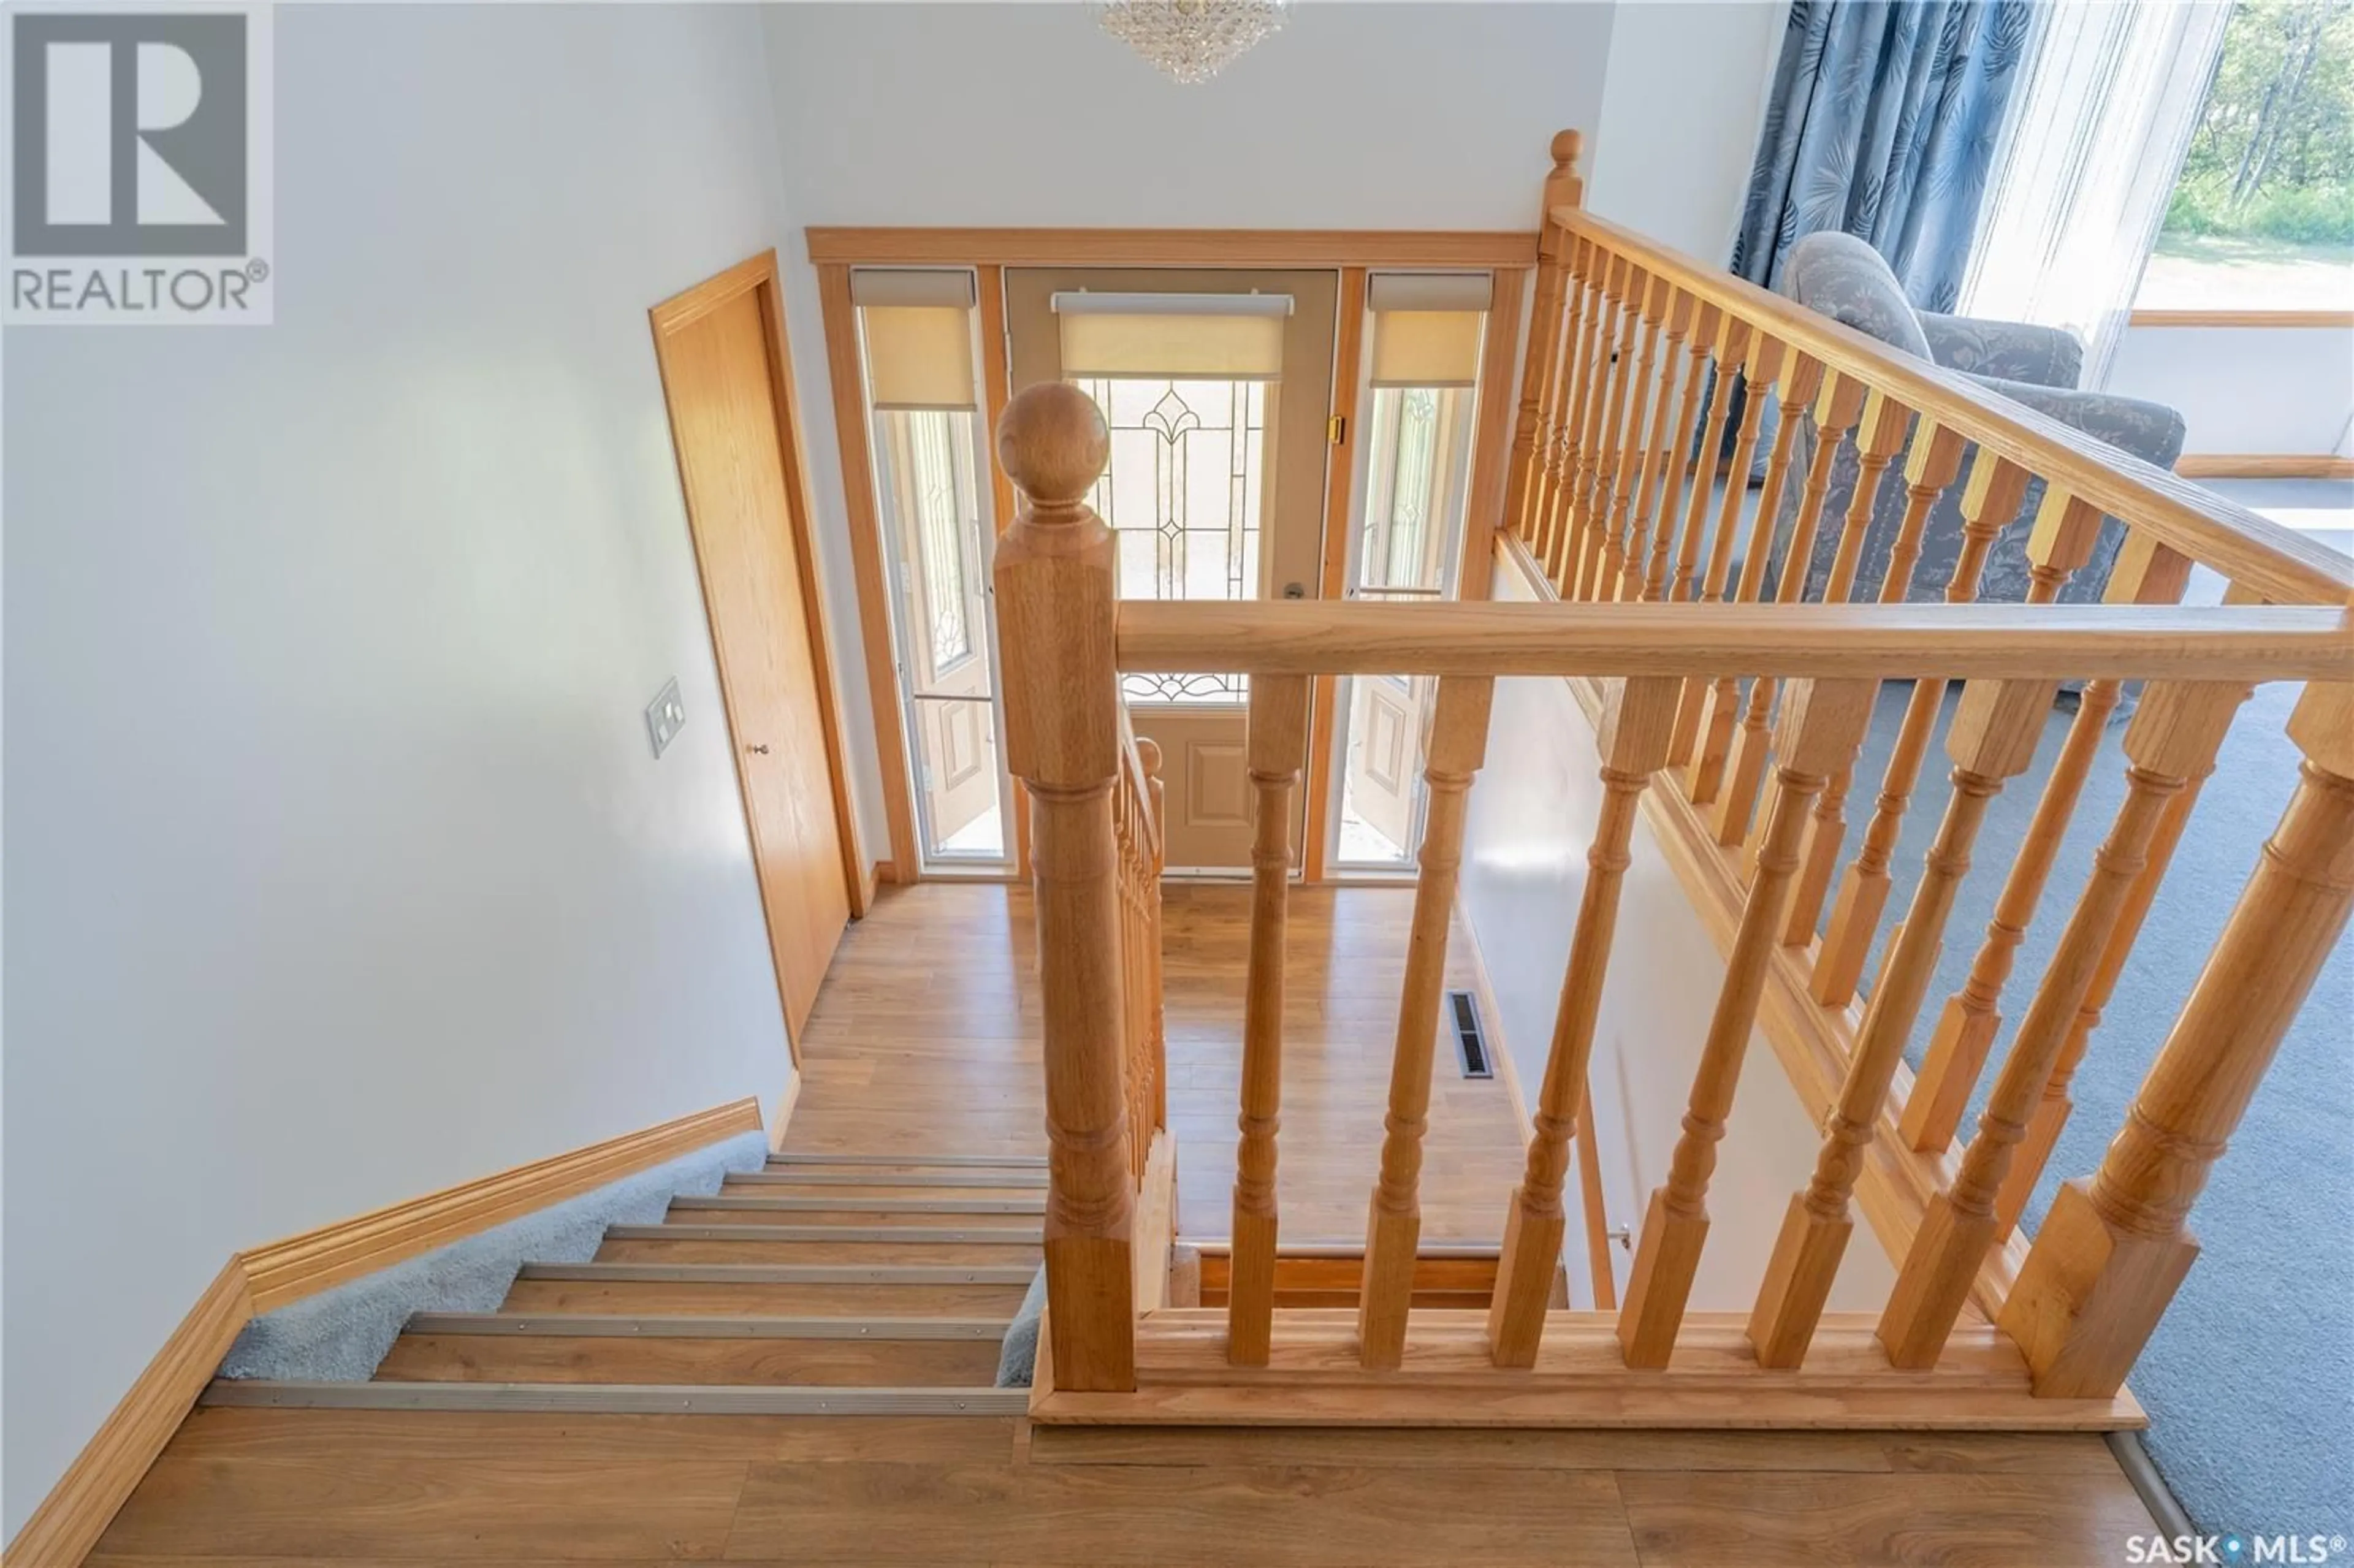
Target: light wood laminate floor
923	1043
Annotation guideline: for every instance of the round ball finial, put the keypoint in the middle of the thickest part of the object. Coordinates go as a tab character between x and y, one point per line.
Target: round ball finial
1566	146
1052	442
1148	752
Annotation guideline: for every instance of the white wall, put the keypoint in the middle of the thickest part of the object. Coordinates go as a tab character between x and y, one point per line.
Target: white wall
1375	116
2245	389
338	867
1685	93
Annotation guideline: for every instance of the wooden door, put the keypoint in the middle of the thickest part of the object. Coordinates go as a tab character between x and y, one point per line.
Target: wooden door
722	351
1384	757
1276	435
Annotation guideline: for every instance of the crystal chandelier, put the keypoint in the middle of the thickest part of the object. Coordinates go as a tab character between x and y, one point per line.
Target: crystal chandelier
1191	40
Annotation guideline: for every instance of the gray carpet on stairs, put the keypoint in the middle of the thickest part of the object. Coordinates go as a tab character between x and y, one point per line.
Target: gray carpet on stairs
340	1335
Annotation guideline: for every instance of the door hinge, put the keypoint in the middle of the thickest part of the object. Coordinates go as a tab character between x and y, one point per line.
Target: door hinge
1338	429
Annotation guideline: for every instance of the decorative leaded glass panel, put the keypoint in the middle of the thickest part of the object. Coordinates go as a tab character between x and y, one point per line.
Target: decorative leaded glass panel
1182	495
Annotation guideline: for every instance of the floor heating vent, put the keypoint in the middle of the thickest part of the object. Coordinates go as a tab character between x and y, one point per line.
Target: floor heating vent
1470	1041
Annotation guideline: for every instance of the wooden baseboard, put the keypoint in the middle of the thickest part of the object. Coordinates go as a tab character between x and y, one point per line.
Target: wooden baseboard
83	1503
1449	1379
2276	319
2264	465
76	1512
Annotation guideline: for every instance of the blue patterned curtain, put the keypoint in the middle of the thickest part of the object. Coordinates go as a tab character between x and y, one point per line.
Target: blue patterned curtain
1883	123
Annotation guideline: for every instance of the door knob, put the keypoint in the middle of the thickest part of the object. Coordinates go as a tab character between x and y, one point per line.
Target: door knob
758	751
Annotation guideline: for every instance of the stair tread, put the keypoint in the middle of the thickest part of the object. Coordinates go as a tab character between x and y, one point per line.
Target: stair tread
969	1161
900	1236
589	1325
718	1360
710	1399
783	1273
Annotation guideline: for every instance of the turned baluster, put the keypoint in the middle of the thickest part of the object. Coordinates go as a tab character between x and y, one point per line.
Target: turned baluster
1591	364
1052	575
1820	722
1621	572
1597	504
1633	740
1544	490
1878	438
1759	368
1645	562
1156	796
1990	500
1836	407
2065	532
1795	387
2144	560
1610	274
1993	739
1699	323
1540	373
1276	742
1728	343
2111	1253
1456	743
2172	737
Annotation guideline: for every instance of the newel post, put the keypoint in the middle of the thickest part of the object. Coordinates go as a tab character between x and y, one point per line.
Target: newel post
2113	1251
1055	629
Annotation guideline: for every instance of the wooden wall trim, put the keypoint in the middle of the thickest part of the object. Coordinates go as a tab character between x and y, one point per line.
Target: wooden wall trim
847	380
102	1475
67	1525
1317	248
1500	374
304	1264
2265	465
1340	479
2342	321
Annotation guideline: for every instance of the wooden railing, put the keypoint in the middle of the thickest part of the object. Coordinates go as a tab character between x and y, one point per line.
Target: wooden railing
1136	833
1735	728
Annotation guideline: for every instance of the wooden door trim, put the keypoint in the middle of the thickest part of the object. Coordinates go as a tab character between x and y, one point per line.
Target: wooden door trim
1321	249
756	275
1339	475
996	391
1491	441
846	380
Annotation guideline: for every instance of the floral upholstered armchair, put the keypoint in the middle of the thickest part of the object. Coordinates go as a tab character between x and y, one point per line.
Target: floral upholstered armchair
1841	276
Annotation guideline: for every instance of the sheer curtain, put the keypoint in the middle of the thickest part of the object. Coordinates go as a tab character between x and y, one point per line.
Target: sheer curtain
2088	163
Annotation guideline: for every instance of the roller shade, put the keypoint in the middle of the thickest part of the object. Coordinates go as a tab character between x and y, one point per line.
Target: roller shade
918	328
1427	327
1223	337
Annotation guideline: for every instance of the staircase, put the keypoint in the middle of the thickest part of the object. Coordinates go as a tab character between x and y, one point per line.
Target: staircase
823	1284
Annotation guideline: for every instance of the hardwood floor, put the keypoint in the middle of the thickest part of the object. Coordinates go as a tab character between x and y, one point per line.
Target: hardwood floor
922	1049
924	1041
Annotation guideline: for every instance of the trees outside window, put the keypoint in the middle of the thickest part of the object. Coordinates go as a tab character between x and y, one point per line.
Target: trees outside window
2263	214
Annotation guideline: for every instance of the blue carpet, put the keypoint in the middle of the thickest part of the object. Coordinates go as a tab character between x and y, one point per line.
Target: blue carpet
2250	1380
340	1335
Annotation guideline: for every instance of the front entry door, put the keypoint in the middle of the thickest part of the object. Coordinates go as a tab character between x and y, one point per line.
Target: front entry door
1215	490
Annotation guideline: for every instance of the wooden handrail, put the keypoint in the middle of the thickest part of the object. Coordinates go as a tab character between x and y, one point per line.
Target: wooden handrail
2279	563
2253	642
1731	717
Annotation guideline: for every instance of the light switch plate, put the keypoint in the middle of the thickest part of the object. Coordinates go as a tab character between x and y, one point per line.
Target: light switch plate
665	715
